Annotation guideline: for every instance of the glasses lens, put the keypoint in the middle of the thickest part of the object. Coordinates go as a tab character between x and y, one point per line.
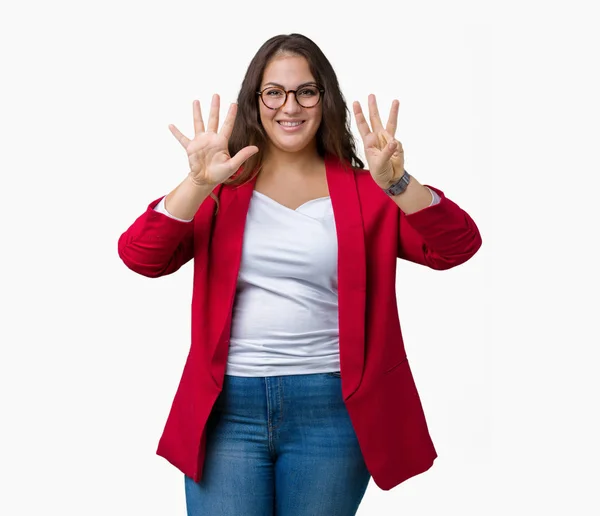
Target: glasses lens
273	97
308	96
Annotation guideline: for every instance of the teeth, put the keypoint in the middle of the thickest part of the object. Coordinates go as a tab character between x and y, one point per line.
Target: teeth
290	124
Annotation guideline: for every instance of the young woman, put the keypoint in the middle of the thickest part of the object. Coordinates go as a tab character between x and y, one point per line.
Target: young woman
297	388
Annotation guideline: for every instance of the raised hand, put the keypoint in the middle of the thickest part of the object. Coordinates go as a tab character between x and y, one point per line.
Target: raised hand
208	154
384	153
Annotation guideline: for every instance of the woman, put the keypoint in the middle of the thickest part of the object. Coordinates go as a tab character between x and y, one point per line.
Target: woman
297	388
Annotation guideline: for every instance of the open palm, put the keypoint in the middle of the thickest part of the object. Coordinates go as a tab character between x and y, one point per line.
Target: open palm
208	153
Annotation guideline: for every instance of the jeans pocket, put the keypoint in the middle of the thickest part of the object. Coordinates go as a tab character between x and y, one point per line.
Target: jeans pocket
335	374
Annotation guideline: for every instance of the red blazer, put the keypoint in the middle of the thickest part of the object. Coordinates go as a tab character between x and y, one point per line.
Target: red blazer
377	383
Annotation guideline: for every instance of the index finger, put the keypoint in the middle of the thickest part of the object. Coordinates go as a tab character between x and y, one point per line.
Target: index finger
361	122
198	122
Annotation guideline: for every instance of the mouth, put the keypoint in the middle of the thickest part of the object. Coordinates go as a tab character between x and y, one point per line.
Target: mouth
295	123
291	127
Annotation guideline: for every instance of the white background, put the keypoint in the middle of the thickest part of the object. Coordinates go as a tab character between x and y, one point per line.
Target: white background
498	108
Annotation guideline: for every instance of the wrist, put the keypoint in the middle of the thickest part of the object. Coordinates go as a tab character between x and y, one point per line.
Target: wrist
398	185
198	183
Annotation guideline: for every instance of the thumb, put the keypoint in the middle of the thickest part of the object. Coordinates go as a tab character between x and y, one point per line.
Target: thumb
388	151
242	155
183	140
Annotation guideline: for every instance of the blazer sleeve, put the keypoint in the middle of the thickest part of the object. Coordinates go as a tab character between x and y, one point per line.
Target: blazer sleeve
440	236
155	244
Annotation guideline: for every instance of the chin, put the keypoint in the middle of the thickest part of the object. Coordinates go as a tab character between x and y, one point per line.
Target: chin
292	144
286	147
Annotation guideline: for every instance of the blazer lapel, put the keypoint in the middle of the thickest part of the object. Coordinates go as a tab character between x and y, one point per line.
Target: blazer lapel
224	264
225	259
352	272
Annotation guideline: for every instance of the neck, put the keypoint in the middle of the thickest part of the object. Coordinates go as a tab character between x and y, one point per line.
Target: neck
296	163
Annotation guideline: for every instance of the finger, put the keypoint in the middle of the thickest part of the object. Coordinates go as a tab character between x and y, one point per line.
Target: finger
374	114
392	123
180	137
227	127
198	122
243	155
372	143
213	118
361	121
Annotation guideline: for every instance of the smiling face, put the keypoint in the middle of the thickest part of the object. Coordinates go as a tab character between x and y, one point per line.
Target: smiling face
289	73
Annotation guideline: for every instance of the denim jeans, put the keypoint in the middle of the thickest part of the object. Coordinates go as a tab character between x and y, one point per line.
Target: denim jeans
279	446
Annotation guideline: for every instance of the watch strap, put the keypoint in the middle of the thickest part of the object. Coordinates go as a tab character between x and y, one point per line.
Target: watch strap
399	186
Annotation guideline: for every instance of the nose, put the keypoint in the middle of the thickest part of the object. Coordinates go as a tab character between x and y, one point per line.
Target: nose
291	105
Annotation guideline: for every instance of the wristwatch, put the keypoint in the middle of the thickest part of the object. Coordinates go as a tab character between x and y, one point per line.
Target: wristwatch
399	186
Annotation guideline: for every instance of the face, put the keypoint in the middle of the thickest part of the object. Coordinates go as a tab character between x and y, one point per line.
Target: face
289	73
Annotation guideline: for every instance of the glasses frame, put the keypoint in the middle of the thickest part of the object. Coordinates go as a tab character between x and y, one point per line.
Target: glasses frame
321	91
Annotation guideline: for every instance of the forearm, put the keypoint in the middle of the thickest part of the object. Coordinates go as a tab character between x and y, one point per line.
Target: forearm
183	202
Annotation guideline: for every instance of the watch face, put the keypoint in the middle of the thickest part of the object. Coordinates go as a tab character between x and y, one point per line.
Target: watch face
400	186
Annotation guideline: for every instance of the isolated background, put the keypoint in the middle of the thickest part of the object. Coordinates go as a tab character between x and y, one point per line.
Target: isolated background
498	108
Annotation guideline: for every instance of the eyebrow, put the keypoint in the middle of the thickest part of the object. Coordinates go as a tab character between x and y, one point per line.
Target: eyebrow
283	87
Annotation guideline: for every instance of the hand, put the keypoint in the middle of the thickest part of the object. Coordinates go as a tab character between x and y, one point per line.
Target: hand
384	153
208	154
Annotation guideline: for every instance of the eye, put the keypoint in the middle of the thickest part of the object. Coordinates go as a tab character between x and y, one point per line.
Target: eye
308	92
274	92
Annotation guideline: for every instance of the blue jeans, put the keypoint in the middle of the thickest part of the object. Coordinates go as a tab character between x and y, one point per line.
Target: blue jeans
280	446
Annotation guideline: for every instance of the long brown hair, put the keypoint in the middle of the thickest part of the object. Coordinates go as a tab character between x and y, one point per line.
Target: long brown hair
334	136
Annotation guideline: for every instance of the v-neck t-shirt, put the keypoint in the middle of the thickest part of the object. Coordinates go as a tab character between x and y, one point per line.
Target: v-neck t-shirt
285	313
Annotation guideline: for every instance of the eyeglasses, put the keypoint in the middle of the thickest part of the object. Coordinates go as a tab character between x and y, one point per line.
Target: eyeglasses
307	96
